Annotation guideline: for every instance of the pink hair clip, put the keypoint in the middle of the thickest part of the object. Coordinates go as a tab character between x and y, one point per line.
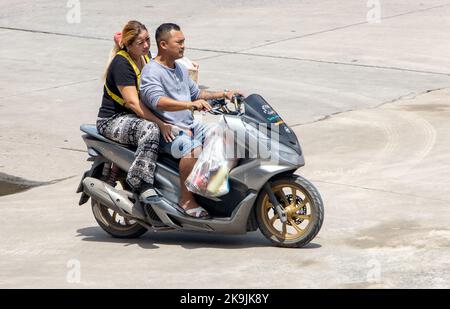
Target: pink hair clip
118	38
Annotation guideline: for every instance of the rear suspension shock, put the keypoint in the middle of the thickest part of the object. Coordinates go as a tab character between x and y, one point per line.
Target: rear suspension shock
112	173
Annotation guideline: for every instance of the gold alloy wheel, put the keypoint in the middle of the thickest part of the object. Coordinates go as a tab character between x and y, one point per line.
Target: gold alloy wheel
113	222
112	218
297	205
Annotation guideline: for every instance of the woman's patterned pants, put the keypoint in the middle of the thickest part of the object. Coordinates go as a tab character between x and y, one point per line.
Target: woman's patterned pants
128	129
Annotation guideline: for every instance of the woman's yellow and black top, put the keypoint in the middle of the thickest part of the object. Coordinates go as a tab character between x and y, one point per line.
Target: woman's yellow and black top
122	71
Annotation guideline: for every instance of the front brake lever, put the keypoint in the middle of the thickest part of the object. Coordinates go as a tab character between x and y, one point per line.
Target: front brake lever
215	111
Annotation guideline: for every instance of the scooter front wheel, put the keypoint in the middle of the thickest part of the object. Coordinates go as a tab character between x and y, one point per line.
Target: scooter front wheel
303	207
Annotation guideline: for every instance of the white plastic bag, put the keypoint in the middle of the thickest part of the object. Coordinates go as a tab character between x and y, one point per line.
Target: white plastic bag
209	177
193	70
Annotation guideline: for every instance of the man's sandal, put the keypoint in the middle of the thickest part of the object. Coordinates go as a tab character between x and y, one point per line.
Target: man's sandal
198	212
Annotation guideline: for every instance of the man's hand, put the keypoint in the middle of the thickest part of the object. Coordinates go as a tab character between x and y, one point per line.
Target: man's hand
202	105
231	93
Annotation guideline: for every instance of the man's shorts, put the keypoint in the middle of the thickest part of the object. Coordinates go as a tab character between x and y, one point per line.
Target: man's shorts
183	144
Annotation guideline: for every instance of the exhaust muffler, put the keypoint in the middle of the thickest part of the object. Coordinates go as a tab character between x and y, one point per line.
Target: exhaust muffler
117	200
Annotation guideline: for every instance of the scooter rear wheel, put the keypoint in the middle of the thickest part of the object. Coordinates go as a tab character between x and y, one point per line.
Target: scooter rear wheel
304	209
114	224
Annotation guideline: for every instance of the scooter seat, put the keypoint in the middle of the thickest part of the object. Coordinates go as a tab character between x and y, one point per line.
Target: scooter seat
163	158
91	130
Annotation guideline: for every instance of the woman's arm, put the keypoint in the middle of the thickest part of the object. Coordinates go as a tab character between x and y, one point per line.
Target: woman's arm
131	98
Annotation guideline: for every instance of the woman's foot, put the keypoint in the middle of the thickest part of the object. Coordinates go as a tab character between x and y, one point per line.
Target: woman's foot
147	193
191	208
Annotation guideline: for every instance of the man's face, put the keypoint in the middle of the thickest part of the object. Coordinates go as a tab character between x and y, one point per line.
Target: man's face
174	46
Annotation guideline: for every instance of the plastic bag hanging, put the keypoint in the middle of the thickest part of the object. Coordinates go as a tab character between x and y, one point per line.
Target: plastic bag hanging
209	177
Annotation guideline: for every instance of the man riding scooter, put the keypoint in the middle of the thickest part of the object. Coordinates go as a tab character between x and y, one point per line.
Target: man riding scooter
172	95
262	193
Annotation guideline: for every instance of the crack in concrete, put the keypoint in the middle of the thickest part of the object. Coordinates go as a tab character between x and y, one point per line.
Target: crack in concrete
331	62
249	48
344	27
49	146
380	190
243	51
56	33
402	97
50	88
72	149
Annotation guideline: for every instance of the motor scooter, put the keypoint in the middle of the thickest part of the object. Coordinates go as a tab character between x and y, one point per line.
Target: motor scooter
264	193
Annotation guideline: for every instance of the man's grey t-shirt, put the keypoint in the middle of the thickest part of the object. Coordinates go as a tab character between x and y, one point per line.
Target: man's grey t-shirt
159	81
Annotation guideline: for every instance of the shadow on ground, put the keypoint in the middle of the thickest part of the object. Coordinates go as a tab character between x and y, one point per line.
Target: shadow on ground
187	240
10	184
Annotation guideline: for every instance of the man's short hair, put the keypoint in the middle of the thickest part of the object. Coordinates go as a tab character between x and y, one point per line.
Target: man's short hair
163	32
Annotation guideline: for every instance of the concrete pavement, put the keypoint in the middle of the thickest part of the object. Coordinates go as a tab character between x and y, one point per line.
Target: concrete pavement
375	141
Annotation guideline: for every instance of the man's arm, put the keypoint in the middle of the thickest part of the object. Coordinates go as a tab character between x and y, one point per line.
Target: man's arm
211	95
154	95
168	104
171	105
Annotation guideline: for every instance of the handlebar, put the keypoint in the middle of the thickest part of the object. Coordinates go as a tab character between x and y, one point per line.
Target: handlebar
219	106
238	98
